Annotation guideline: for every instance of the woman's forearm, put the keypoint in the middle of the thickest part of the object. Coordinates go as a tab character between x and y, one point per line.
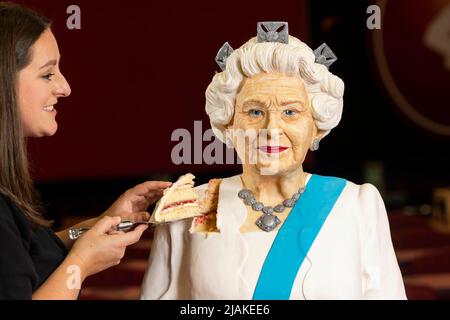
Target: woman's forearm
64	283
64	234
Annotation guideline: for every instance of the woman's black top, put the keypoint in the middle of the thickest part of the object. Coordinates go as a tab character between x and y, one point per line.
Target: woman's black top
27	255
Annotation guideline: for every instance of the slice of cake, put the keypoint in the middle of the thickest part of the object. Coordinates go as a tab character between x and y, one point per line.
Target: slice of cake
180	201
207	221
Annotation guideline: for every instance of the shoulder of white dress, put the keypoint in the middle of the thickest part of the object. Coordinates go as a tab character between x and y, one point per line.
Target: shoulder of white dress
351	187
359	192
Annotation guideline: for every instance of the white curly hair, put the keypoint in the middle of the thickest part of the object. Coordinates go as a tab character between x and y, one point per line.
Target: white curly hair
325	90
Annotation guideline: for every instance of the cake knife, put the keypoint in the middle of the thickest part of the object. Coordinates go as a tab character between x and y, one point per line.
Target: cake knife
126	225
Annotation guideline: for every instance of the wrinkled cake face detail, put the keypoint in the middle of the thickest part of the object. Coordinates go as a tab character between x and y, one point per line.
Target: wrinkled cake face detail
274	113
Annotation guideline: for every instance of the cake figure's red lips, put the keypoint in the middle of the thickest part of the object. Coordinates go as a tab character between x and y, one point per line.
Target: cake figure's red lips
273	149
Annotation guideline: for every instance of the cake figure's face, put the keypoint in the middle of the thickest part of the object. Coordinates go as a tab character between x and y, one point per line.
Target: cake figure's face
276	108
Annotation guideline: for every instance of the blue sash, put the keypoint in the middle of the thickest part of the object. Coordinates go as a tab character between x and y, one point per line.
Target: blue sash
295	237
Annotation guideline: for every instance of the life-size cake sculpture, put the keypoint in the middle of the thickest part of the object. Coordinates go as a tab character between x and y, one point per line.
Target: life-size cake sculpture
275	231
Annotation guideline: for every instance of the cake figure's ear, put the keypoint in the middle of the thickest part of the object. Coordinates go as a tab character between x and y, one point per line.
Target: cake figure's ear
324	55
222	55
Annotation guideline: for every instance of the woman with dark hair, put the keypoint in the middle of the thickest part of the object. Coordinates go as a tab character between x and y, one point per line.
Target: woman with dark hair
34	261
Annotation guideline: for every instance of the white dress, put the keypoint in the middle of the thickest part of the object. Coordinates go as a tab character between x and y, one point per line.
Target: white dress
352	256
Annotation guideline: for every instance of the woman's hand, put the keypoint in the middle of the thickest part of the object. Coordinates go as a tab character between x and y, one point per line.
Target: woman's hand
132	204
100	248
96	250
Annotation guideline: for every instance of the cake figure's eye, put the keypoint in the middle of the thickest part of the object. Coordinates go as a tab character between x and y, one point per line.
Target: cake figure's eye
290	112
255	113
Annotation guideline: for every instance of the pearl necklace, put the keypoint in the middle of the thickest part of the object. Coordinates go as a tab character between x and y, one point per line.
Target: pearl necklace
268	221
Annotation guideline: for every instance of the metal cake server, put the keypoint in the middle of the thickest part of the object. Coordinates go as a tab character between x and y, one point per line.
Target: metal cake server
126	225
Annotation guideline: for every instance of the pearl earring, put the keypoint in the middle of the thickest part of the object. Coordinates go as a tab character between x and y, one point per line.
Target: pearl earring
315	145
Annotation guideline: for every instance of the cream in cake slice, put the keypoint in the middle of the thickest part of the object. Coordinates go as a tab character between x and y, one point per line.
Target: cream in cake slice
180	201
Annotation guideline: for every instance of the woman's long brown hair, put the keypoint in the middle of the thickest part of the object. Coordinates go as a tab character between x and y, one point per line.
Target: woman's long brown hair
20	28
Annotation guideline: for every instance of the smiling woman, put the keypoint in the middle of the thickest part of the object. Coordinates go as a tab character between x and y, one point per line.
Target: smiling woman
39	86
15	55
35	262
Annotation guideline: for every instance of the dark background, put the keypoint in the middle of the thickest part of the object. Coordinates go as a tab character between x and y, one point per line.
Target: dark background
138	70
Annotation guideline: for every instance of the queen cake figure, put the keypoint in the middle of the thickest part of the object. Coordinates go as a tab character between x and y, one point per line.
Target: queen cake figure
275	231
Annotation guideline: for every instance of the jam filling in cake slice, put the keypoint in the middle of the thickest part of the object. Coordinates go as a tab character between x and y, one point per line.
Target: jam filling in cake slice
180	201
